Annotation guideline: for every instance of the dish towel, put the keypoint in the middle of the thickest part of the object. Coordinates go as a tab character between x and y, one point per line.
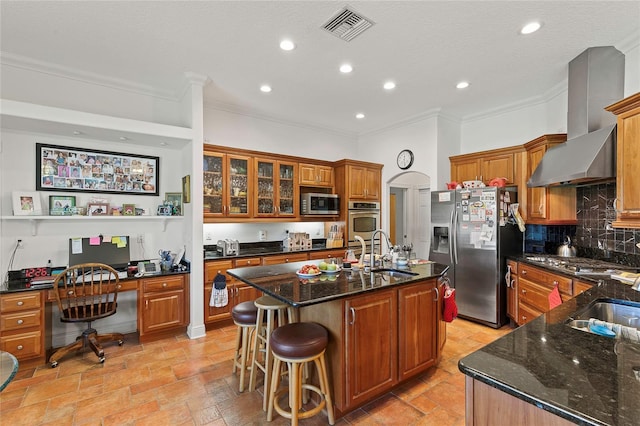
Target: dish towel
219	292
621	331
450	308
554	298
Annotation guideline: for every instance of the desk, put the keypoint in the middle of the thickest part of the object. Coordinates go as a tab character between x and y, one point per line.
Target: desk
162	309
8	368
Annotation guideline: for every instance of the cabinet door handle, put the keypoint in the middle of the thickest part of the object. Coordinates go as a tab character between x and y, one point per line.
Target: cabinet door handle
20	303
20	321
555	282
164	284
437	294
524	272
523	291
524	318
353	316
513	283
20	347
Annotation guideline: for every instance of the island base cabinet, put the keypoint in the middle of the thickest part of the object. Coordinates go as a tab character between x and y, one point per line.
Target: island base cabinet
488	406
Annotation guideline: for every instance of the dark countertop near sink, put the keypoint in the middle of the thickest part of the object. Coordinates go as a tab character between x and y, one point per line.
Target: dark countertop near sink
282	282
258	249
582	377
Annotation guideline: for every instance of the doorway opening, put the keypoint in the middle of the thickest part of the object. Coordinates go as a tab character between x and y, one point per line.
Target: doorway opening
409	211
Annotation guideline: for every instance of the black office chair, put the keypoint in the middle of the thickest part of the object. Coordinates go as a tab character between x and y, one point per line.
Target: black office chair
85	293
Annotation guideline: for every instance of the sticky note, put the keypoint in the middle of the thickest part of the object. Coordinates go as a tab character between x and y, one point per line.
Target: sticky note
94	241
115	240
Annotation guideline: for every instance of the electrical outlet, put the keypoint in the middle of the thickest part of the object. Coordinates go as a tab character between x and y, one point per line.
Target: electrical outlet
20	244
209	236
262	235
140	238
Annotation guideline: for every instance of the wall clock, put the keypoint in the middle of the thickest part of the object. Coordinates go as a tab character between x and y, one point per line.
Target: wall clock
405	159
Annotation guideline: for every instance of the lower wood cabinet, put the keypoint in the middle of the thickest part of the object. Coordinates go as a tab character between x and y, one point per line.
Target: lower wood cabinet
22	324
162	304
380	339
285	258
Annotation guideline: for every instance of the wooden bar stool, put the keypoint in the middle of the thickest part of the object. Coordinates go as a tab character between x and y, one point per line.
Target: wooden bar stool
297	344
244	316
267	308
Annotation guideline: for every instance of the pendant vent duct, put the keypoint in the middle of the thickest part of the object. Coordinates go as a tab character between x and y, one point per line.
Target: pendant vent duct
347	24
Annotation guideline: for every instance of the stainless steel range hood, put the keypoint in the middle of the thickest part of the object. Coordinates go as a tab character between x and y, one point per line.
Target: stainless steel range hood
596	79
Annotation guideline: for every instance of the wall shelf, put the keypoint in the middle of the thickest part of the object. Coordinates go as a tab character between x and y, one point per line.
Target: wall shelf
35	220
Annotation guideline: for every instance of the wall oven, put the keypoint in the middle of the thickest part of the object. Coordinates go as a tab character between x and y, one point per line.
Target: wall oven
363	219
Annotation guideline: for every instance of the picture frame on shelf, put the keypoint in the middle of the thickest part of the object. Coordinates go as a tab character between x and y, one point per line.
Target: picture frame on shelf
71	169
186	189
97	209
128	209
61	205
174	200
164	210
26	203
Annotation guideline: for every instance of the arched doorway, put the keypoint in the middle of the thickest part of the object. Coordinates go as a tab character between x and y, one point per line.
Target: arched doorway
409	211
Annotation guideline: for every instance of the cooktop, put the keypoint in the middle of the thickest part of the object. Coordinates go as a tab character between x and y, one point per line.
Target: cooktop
581	265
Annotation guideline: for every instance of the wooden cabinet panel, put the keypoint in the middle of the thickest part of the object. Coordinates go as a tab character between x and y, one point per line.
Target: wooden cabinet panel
545	278
499	165
22	324
326	254
533	295
371	345
162	304
580	286
628	159
227	185
23	345
20	320
363	183
465	169
526	313
315	175
285	258
276	188
20	301
417	328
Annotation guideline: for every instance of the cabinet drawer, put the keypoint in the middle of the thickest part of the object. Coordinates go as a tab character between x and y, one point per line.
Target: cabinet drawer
23	345
247	261
533	295
20	320
163	283
20	302
285	258
547	279
526	313
211	269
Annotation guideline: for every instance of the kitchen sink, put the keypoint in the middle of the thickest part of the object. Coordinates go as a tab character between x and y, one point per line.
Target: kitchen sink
395	272
616	312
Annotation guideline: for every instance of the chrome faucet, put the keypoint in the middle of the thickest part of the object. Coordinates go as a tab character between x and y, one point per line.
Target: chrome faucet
372	255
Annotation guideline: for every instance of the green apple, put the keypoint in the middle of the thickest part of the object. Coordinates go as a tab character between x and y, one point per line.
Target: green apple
332	267
323	266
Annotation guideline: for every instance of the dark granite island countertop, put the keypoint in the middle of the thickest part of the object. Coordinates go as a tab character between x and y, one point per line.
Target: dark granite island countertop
282	282
581	377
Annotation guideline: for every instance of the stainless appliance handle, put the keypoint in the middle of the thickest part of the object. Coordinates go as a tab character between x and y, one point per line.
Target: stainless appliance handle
451	236
455	236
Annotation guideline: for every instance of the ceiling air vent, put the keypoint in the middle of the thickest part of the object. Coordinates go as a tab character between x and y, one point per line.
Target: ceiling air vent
347	24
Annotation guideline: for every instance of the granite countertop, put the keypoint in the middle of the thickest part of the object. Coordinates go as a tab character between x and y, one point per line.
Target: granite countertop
282	282
582	377
212	254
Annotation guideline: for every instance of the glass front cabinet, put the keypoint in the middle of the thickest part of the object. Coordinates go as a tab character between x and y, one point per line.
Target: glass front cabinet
276	193
226	185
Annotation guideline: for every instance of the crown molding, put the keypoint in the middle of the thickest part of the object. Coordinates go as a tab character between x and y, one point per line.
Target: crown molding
30	64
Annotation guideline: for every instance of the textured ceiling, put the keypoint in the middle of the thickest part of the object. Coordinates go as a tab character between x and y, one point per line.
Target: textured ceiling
425	46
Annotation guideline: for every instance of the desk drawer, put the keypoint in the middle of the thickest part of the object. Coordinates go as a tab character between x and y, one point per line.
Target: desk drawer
23	345
20	320
20	301
162	284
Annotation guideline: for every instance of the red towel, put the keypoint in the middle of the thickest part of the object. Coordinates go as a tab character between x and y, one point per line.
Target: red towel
554	298
450	307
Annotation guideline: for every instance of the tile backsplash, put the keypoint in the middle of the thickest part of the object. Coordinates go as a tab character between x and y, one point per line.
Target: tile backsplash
593	235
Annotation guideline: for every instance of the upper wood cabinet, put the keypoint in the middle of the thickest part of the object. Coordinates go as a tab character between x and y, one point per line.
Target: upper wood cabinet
358	180
276	189
552	205
486	165
628	152
226	185
316	175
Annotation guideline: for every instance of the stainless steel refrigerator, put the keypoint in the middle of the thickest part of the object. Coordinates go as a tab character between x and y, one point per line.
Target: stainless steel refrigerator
472	232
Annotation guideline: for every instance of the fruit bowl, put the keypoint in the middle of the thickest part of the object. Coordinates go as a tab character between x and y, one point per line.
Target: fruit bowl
335	271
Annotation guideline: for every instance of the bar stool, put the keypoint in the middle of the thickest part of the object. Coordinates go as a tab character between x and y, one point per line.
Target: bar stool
297	344
267	307
244	316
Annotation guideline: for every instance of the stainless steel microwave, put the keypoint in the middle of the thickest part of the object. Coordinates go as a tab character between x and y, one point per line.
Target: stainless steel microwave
313	203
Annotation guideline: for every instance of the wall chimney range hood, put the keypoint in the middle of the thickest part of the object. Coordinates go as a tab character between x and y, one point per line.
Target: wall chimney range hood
596	80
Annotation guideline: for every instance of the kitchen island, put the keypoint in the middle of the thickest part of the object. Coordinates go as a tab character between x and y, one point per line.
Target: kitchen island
384	328
546	372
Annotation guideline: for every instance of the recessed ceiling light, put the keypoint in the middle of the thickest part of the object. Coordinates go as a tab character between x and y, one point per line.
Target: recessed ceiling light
388	85
359	116
346	68
531	27
462	85
124	138
265	88
164	144
287	45
77	132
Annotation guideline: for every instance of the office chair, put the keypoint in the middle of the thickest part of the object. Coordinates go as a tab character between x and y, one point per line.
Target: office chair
85	293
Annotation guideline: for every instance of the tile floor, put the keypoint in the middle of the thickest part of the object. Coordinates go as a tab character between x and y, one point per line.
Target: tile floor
179	381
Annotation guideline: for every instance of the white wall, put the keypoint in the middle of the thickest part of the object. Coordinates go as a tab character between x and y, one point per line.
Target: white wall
248	232
243	131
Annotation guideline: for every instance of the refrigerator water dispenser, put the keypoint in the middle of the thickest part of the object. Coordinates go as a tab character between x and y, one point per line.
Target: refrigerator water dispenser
440	239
